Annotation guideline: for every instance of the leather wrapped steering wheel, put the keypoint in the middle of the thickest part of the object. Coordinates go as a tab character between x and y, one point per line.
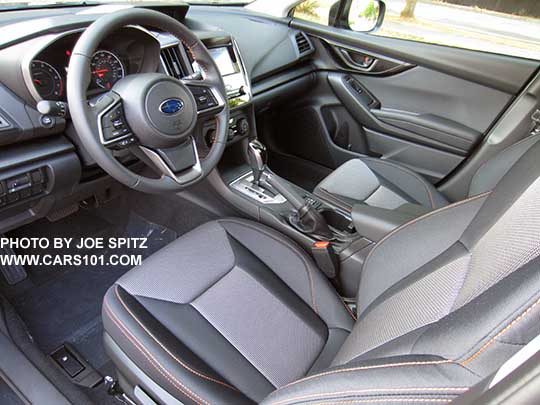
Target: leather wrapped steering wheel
159	112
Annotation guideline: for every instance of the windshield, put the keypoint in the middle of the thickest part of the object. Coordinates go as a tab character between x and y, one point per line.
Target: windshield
14	4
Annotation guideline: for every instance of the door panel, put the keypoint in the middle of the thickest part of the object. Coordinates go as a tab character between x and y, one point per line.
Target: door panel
504	73
421	105
424	91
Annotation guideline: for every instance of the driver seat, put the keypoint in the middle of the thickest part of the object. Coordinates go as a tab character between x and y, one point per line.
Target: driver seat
234	312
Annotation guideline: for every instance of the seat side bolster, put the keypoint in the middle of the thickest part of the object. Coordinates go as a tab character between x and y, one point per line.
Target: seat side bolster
398	378
162	357
412	245
294	267
493	170
408	181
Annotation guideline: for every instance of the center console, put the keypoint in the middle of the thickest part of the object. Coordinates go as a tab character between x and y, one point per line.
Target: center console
245	181
325	231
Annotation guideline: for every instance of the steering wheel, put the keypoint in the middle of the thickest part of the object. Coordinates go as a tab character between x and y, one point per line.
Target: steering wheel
152	114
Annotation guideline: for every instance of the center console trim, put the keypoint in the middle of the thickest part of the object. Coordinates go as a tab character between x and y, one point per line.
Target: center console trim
244	185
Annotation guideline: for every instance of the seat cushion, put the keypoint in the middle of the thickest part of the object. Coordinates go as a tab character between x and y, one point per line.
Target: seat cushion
232	310
378	183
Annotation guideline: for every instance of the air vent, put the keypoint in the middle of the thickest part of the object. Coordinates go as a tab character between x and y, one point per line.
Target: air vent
303	44
172	61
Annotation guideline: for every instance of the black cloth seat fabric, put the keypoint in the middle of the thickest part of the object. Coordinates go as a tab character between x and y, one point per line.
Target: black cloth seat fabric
389	185
231	304
236	313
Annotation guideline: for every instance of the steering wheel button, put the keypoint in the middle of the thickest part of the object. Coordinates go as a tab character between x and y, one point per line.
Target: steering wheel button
160	109
117	123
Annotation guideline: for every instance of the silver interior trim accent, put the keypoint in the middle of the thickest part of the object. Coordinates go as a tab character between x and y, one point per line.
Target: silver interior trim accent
243	70
100	127
244	185
246	98
216	93
339	48
188	175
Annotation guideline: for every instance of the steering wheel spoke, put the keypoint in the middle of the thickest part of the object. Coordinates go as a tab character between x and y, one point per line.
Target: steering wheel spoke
181	163
207	96
150	113
114	131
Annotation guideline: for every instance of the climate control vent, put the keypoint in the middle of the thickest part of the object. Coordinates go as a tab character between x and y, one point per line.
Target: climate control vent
303	44
172	61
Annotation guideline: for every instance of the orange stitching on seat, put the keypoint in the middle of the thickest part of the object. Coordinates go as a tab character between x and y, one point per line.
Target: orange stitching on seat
370	390
165	348
151	359
502	332
376	400
420	218
374	367
290	247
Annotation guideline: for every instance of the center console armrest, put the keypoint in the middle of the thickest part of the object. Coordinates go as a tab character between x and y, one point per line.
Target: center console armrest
374	222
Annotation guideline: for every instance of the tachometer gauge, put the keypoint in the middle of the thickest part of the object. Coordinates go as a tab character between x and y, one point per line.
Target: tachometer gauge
106	69
46	80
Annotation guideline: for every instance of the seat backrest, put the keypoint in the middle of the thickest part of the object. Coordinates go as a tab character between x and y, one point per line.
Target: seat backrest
445	299
493	170
447	265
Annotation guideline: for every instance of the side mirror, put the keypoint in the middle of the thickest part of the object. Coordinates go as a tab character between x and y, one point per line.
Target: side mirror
366	15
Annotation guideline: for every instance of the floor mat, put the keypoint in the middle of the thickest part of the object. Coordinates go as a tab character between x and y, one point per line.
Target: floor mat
63	304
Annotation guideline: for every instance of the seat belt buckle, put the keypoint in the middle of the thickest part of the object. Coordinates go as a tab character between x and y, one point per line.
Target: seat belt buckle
326	258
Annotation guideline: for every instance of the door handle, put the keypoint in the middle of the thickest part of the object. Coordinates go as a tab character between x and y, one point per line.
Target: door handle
357	60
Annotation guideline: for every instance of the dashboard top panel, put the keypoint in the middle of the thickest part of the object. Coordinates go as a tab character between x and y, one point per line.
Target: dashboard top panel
21	25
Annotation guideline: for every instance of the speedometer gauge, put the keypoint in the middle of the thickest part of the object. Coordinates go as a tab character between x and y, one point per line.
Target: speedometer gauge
47	80
106	69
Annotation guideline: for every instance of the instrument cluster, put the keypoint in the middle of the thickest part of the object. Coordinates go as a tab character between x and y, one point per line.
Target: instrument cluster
49	81
116	57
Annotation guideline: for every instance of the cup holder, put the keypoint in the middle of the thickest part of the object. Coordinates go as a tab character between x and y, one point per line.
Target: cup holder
338	221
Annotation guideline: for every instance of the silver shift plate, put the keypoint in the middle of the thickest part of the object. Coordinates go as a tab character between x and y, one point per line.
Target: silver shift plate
244	185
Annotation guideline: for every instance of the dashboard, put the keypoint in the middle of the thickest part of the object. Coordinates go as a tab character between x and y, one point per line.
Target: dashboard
121	54
43	165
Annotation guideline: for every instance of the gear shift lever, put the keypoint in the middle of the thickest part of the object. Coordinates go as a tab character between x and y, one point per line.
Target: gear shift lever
305	217
257	159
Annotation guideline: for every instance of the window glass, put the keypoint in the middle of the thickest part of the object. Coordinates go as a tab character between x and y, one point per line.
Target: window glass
510	27
314	10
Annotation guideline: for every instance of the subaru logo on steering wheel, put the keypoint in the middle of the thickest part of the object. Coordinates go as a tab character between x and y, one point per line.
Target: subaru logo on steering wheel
171	106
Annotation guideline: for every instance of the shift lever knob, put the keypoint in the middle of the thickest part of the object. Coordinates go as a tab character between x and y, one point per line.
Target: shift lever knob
257	158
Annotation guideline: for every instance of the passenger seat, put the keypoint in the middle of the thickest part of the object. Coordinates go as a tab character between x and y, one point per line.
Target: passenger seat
380	183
